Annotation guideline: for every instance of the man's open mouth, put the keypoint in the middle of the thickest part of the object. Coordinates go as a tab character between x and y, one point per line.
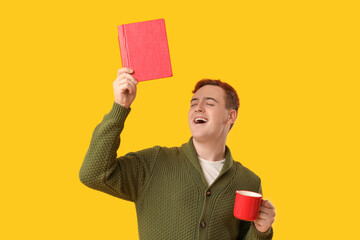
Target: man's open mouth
200	120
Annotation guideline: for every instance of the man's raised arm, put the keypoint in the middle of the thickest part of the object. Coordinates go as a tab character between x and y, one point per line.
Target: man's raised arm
125	176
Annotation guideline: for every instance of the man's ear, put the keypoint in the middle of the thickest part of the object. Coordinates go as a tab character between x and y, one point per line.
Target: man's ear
232	116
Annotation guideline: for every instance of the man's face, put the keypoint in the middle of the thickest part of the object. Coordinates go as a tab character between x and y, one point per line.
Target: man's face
208	117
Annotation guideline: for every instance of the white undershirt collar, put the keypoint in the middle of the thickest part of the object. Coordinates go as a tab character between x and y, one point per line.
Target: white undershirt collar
211	169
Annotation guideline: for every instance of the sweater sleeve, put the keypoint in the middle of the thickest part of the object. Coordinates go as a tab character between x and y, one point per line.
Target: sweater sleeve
123	177
253	233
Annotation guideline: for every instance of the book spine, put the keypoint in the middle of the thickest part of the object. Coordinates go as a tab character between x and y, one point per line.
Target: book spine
123	46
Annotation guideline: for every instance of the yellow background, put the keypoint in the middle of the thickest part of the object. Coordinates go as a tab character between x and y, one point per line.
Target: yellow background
295	65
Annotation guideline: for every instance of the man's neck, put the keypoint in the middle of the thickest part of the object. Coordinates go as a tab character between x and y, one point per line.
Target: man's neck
210	150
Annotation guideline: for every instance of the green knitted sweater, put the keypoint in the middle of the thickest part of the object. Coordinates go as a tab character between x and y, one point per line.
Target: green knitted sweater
172	198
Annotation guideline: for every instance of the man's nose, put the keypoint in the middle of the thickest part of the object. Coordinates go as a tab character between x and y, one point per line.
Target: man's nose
199	108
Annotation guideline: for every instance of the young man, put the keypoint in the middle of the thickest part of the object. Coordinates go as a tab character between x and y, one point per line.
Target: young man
185	192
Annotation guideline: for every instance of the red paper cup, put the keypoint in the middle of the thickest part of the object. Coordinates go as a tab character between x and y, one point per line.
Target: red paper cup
247	205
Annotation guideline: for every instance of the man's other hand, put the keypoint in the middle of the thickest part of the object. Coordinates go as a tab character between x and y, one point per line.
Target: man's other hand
266	216
125	87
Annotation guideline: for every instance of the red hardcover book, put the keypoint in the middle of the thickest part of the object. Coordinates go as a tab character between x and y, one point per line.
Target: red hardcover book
144	48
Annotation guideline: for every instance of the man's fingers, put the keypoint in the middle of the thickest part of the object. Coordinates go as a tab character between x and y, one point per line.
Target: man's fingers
267	204
263	215
124	76
264	210
267	211
124	70
127	86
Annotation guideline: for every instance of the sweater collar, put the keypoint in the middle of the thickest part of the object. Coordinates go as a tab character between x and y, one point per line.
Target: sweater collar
190	152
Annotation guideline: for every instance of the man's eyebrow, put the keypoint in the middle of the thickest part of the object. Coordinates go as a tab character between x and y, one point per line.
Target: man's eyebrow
210	98
194	99
206	98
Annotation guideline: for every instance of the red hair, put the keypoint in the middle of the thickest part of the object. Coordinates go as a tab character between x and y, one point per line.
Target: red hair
231	98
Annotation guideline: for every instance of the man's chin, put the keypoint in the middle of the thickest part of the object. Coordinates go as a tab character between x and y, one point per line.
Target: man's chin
200	137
